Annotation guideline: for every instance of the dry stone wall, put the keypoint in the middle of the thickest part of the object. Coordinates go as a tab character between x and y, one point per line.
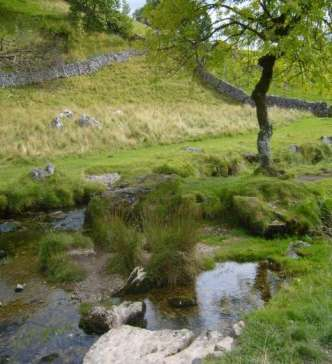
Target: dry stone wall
68	70
321	109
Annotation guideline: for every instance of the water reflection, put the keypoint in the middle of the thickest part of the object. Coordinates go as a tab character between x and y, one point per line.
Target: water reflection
223	295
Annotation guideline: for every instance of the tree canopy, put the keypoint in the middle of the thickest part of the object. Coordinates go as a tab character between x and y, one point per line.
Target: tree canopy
189	33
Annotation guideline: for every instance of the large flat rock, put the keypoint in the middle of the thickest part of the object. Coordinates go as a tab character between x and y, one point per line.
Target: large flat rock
132	345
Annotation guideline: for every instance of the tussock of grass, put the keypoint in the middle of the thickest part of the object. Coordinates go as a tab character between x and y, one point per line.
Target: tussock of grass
55	262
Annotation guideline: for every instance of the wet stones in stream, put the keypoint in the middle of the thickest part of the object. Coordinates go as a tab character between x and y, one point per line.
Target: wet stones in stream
99	319
70	221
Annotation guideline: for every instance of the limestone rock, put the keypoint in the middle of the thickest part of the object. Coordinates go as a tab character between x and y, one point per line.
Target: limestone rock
294	148
42	173
193	149
294	247
70	221
57	121
326	140
19	288
100	319
88	121
238	327
132	345
108	179
137	282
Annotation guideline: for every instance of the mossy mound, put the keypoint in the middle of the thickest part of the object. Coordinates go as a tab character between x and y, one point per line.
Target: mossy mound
214	166
57	191
270	206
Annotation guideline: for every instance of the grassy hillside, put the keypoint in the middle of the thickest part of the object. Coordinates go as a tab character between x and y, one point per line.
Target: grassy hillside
133	106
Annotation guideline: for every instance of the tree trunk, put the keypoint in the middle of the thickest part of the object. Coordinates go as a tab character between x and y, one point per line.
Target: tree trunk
259	96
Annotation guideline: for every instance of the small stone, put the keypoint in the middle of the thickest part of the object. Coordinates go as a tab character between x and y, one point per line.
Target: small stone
19	288
225	344
182	302
238	327
88	121
326	140
8	227
294	148
193	149
251	157
57	123
3	254
42	173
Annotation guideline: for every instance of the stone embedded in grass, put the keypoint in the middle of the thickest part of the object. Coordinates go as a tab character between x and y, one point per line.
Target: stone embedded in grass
57	121
42	173
108	179
193	149
294	148
251	157
326	140
294	248
238	328
88	121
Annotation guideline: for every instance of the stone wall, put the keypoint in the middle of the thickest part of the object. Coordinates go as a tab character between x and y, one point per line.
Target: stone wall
321	109
68	70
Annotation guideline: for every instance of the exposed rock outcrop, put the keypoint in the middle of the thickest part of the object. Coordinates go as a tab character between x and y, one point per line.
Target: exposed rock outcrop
132	345
108	179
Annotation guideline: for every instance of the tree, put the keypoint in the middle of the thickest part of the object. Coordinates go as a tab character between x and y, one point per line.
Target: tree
125	8
142	14
101	15
296	31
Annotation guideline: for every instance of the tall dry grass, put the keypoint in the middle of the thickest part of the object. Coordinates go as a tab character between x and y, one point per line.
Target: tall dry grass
133	106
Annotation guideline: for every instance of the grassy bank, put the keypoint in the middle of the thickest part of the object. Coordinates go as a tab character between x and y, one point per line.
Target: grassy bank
294	327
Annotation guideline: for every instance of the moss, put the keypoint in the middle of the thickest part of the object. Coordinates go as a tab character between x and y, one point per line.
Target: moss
258	201
58	191
253	213
3	204
221	167
183	169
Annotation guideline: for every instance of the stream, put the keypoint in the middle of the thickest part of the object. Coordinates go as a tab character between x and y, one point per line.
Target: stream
40	324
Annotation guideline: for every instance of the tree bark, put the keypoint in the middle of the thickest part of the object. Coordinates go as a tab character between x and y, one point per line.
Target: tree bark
259	96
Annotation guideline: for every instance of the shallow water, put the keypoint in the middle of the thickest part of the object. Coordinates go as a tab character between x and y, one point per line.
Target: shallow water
40	324
223	295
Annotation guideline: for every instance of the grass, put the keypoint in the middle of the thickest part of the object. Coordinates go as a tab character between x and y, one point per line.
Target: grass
19	191
54	260
134	107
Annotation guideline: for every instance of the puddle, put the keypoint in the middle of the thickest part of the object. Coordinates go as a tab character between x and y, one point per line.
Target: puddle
223	295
